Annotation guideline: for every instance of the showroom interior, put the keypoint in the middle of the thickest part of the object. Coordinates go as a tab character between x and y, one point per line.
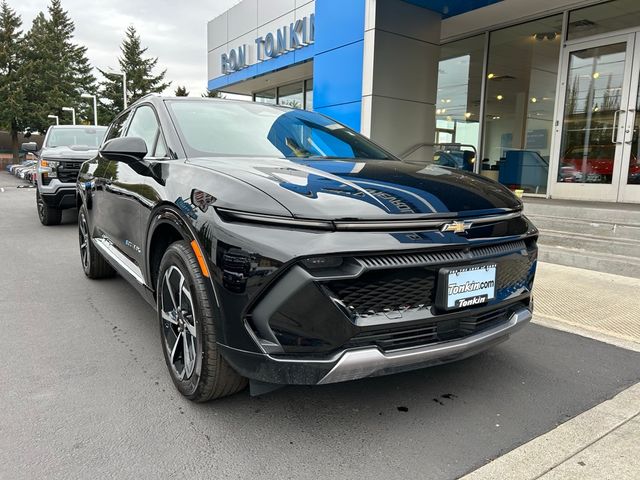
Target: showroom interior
540	96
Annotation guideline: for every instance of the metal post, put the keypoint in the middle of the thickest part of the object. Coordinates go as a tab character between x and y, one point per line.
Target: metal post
95	106
73	113
124	88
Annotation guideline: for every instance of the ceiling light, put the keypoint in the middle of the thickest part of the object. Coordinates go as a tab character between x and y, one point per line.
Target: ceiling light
595	109
467	115
596	75
499	97
448	100
490	76
534	99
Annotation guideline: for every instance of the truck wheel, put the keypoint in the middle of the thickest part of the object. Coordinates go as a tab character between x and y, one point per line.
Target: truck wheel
93	263
187	329
47	215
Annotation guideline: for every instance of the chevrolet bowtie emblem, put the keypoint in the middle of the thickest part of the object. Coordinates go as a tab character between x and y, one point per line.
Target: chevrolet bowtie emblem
456	227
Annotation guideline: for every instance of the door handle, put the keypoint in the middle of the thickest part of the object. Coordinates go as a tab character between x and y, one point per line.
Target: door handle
614	131
630	130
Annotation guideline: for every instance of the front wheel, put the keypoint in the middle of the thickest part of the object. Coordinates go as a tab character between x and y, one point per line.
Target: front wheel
47	215
93	263
187	329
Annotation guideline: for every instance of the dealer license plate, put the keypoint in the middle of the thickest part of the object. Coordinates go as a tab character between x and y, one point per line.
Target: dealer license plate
467	286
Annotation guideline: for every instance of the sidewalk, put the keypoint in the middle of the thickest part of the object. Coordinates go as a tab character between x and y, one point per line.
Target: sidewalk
603	442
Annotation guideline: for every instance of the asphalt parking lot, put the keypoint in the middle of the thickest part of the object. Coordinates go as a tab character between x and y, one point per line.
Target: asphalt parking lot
85	392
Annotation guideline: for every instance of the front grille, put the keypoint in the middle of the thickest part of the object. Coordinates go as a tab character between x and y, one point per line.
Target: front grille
404	286
434	332
434	258
68	171
384	291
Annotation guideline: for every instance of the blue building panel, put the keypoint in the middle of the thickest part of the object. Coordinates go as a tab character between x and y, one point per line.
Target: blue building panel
337	75
231	78
338	23
346	113
451	8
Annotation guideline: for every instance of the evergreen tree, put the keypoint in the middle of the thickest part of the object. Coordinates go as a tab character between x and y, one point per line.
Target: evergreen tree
11	86
140	77
181	92
212	94
56	70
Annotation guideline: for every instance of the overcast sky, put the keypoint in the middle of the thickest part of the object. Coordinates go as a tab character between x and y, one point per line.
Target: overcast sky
175	32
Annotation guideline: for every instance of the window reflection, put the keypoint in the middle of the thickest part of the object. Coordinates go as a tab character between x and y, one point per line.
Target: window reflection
520	98
593	98
602	18
458	102
266	96
291	95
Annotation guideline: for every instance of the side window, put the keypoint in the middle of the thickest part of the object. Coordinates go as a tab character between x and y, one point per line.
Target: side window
117	127
144	125
161	148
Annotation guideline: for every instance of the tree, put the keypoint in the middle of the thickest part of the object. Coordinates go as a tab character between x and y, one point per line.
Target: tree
11	88
212	94
140	77
181	92
56	71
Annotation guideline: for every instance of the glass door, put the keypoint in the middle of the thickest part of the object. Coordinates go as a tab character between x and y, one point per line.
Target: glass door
630	171
593	119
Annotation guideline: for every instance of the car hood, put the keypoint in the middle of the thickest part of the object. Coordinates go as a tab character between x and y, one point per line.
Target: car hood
74	152
367	189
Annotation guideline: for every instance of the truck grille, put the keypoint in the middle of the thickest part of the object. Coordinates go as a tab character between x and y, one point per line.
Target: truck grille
68	171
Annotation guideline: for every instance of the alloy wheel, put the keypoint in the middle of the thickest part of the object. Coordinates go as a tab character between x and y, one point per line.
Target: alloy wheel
178	323
40	204
83	233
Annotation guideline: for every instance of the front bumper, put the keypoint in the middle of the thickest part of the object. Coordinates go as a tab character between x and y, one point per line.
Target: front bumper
63	197
359	363
377	312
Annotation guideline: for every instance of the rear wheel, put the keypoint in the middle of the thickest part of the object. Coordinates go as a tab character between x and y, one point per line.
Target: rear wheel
93	263
187	329
47	215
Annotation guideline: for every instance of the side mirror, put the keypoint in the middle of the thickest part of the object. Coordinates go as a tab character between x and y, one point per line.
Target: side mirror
123	148
30	147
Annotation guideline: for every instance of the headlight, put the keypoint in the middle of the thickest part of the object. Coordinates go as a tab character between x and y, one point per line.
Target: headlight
273	220
48	167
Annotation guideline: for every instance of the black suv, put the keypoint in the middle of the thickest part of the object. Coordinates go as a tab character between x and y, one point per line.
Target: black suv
280	247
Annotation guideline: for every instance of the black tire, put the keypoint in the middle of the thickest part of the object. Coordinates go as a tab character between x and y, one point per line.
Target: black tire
93	263
211	376
47	215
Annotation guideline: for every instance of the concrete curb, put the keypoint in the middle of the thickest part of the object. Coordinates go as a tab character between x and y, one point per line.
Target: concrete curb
544	454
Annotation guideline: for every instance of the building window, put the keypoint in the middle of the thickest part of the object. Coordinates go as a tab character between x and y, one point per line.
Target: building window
291	95
266	96
458	102
308	94
602	18
295	95
522	72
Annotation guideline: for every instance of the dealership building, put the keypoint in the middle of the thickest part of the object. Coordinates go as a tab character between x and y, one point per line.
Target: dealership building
542	96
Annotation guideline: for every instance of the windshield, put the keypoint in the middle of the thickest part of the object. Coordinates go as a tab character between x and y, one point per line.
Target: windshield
65	137
222	128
